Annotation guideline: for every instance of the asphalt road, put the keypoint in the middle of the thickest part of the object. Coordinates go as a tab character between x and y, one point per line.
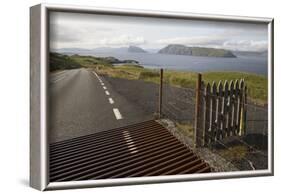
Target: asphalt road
82	102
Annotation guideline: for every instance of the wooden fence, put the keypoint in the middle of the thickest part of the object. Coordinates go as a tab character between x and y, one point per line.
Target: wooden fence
220	110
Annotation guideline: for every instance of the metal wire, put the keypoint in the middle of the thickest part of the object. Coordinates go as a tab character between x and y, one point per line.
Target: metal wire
177	102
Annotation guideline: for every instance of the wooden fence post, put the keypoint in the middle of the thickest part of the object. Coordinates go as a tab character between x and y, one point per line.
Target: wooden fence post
197	131
160	94
206	111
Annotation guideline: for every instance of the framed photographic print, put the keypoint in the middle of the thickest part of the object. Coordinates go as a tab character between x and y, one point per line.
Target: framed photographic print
134	97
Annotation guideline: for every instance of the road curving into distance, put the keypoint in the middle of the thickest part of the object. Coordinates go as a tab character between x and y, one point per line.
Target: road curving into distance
83	102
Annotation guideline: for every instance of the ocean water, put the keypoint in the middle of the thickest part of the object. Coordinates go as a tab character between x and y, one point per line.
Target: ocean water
250	64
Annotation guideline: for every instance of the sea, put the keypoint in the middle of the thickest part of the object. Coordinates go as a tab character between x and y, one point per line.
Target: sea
242	63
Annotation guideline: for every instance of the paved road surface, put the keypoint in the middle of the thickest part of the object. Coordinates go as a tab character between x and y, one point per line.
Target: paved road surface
82	102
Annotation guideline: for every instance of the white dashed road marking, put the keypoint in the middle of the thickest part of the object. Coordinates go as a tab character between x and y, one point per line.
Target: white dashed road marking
111	101
117	114
95	74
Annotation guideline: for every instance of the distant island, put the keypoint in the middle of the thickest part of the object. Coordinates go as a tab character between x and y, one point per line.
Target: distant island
178	49
171	49
135	49
130	49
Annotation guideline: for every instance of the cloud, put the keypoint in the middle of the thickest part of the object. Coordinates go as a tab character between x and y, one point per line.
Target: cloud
123	40
76	35
63	33
194	41
217	42
246	45
91	31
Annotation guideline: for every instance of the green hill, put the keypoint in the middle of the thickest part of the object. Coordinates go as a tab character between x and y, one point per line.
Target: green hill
60	62
178	49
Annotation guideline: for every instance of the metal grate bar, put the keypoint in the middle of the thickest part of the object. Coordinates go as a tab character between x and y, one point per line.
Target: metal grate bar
142	149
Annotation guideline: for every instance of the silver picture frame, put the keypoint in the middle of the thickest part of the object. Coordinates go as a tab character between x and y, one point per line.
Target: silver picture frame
39	41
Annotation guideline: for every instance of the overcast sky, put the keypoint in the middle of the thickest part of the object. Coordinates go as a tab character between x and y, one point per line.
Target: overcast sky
73	30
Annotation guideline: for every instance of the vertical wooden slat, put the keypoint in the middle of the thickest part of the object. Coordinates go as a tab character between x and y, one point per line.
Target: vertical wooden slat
206	113
240	108
235	104
218	111
230	108
213	111
224	110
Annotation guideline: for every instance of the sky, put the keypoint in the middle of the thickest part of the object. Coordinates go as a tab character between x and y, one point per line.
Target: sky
89	31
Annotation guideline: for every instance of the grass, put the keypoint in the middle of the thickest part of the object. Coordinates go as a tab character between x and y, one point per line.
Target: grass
186	128
125	72
256	84
237	152
61	62
234	152
90	61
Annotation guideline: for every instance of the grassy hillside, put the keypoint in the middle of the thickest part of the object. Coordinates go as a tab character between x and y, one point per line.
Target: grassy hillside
90	61
60	62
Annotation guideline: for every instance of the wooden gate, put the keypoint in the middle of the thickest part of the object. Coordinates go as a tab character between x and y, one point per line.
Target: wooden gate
220	110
